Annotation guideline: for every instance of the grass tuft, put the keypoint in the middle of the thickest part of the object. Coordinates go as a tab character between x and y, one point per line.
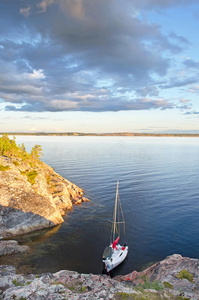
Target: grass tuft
184	274
4	168
31	176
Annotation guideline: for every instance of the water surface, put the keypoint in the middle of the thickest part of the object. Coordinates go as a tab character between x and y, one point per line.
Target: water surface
159	193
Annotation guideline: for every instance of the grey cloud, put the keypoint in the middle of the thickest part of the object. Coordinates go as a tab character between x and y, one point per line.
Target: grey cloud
179	82
148	91
89	52
11	108
179	39
93	104
191	63
192	113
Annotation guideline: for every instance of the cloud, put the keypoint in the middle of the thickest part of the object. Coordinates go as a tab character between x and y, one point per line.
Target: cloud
88	55
37	74
191	63
192	113
25	11
194	89
44	4
148	91
179	82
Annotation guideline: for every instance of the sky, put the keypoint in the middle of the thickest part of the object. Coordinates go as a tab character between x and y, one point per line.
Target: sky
99	66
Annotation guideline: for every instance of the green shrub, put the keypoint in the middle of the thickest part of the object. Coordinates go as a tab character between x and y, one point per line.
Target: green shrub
154	285
4	168
167	285
123	296
23	173
48	178
184	274
147	295
83	289
17	283
31	176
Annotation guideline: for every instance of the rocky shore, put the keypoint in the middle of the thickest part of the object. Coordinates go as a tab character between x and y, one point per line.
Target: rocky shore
33	196
174	278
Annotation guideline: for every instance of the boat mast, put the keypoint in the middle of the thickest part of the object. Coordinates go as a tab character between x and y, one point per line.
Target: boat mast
115	212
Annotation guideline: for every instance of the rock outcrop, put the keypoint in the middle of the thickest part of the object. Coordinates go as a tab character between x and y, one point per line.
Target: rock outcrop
61	285
72	285
175	272
11	247
33	197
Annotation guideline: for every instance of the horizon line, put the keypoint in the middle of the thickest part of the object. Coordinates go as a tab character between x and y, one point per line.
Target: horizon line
101	134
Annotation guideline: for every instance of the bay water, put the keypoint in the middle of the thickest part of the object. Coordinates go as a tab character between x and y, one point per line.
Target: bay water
159	191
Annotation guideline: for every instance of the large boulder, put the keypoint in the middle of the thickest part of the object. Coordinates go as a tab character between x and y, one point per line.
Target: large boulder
11	247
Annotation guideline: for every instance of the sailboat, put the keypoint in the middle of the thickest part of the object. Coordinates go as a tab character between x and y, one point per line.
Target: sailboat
115	254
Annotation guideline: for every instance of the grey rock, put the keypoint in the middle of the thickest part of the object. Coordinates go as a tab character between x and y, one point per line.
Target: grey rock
72	285
167	271
61	285
11	247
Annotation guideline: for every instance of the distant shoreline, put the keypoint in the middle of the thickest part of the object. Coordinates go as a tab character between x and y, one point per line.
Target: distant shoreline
103	134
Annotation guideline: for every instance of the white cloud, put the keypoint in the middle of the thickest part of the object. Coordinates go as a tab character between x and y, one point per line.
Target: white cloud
37	74
25	11
44	4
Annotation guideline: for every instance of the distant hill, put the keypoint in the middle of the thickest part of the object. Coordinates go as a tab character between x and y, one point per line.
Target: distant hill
103	134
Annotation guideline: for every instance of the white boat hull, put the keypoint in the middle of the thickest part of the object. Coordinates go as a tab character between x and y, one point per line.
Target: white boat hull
117	257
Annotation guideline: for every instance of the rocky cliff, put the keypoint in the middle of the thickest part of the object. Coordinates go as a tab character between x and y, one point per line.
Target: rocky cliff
175	273
164	280
33	196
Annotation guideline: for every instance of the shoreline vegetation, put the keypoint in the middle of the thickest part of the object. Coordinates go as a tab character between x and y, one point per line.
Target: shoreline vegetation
102	134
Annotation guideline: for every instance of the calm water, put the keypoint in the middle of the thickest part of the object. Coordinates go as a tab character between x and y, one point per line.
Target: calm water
159	192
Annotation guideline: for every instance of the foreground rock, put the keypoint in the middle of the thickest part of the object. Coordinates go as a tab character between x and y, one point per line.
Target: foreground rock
11	247
60	285
162	283
175	272
33	197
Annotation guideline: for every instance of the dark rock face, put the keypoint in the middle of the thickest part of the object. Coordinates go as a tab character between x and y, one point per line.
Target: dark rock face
27	206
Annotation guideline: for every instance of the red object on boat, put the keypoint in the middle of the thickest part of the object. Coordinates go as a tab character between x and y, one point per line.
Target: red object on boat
115	243
123	248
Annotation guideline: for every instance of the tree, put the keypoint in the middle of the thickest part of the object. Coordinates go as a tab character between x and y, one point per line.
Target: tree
36	152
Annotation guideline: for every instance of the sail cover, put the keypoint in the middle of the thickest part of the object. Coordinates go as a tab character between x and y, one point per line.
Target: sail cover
115	243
